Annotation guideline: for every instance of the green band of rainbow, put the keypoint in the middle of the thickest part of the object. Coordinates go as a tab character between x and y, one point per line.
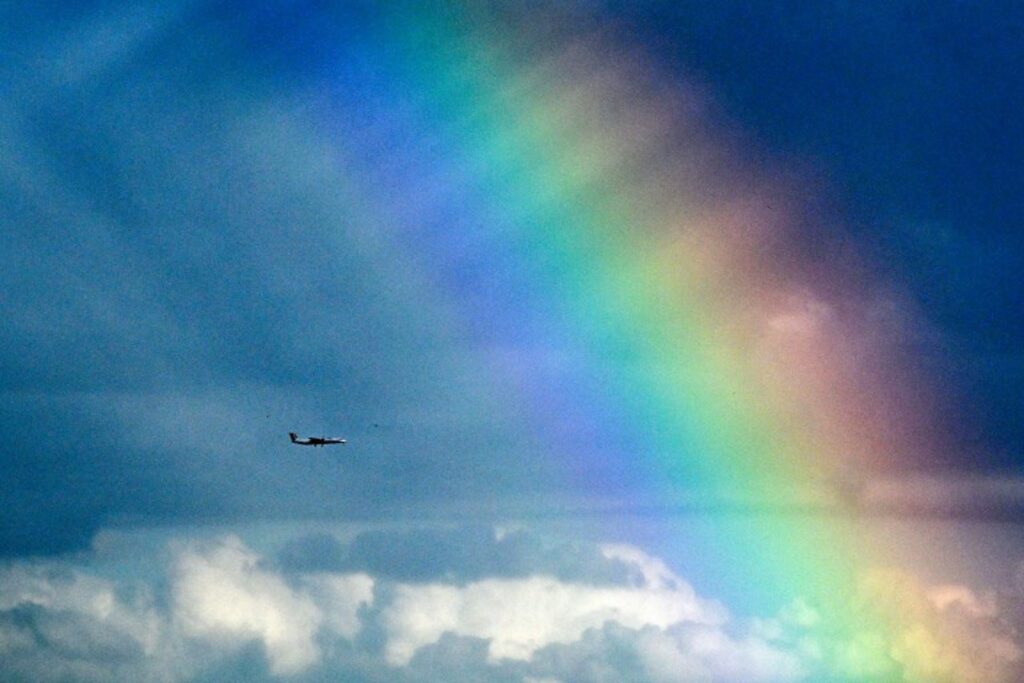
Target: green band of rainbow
568	199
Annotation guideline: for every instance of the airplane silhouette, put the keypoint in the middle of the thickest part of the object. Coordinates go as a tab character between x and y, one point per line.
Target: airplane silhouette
314	440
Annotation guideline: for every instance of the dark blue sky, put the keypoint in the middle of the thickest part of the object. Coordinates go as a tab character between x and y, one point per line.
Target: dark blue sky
179	269
912	111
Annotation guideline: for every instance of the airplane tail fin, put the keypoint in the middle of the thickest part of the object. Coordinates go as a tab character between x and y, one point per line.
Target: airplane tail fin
293	436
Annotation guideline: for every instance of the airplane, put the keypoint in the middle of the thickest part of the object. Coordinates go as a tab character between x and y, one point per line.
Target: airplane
315	440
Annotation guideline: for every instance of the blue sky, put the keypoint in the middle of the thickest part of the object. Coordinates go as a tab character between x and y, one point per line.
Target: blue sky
189	274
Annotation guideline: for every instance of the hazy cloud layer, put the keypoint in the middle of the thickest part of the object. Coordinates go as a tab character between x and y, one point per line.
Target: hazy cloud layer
218	610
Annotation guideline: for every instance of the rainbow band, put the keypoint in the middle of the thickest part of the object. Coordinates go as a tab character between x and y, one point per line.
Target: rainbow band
568	202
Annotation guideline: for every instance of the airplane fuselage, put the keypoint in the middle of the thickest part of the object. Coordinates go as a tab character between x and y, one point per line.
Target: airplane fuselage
315	440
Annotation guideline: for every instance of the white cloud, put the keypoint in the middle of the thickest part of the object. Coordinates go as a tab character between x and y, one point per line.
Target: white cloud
747	658
663	660
695	652
74	626
520	616
69	625
57	622
684	653
654	572
73	592
225	595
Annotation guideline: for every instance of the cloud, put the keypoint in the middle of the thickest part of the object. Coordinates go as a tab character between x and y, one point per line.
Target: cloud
220	610
678	654
225	594
647	571
893	626
520	616
58	623
654	628
942	633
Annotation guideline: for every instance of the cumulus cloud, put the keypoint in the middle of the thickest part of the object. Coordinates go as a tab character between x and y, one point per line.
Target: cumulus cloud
58	623
225	594
520	616
893	626
943	633
651	571
220	609
681	653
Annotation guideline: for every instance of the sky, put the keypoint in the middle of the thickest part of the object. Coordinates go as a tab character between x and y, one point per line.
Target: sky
671	341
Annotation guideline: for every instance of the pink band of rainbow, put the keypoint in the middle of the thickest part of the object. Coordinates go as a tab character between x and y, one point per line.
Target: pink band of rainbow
637	282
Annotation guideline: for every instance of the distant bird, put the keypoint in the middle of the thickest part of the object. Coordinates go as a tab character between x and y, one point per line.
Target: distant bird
315	440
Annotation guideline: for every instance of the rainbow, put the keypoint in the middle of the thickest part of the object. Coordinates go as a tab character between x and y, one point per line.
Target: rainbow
673	331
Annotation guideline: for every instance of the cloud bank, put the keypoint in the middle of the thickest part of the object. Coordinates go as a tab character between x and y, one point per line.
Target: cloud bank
221	610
